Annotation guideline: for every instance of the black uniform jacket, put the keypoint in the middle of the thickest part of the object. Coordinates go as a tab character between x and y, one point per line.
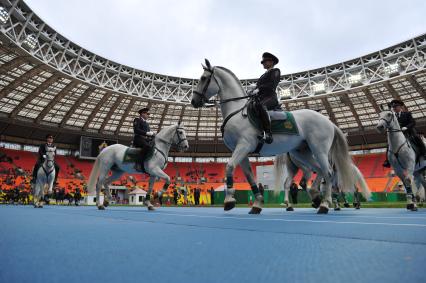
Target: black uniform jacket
42	151
267	85
405	119
140	128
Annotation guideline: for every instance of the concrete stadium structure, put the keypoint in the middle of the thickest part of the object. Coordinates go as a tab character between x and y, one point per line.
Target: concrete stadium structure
50	84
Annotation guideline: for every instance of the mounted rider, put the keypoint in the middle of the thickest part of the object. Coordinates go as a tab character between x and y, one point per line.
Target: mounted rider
265	91
143	138
407	124
42	150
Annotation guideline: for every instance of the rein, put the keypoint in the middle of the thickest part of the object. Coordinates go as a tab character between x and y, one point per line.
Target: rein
180	140
216	102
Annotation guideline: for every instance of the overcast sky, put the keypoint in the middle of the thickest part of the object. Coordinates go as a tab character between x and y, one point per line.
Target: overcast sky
174	37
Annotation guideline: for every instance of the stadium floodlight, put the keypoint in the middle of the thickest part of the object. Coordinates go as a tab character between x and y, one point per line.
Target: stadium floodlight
318	87
355	79
391	69
30	41
285	93
4	15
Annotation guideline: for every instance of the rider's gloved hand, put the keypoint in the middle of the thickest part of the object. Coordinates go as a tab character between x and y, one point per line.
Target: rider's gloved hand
150	134
254	91
44	156
404	129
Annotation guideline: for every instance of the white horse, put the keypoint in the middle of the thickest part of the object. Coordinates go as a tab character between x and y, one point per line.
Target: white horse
112	159
403	158
241	137
292	165
45	178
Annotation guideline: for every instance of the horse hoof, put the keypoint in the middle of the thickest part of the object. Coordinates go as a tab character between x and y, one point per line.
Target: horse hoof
101	207
337	209
410	206
106	203
346	205
322	210
151	208
229	205
255	210
290	208
40	206
316	202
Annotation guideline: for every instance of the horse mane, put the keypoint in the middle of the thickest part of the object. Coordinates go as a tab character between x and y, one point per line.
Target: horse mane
232	74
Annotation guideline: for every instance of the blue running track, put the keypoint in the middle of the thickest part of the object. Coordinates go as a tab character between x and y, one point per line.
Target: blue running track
128	244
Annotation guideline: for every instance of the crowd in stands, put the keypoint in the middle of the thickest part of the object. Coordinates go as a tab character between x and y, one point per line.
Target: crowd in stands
192	183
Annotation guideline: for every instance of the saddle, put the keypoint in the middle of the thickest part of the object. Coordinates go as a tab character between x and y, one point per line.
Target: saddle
282	122
133	154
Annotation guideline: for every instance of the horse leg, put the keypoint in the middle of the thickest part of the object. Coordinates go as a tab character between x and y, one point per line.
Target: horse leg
314	192
114	176
258	198
291	169
411	200
103	175
157	171
327	174
147	201
241	151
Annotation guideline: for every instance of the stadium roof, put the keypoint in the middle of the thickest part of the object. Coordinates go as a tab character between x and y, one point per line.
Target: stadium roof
50	84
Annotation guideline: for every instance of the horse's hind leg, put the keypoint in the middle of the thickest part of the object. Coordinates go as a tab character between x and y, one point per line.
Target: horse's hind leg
103	175
292	170
114	176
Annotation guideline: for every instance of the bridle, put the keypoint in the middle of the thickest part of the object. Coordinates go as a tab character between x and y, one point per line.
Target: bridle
389	127
179	137
213	103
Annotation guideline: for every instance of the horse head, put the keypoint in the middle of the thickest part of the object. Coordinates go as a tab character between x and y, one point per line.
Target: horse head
206	88
179	138
50	157
387	121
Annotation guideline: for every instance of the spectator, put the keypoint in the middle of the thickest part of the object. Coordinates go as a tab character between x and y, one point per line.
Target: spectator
211	196
175	195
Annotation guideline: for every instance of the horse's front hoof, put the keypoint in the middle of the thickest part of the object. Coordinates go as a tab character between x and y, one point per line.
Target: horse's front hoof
106	203
337	209
229	205
316	202
151	208
255	210
412	207
101	207
322	210
40	206
290	208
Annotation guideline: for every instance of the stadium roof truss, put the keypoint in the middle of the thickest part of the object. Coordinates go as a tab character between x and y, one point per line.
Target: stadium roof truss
50	82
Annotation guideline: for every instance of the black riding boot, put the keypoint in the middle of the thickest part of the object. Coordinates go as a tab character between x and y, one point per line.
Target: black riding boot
139	162
57	168
35	171
266	124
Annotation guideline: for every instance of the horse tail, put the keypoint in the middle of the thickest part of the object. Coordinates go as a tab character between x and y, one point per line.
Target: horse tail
359	179
279	163
342	161
91	185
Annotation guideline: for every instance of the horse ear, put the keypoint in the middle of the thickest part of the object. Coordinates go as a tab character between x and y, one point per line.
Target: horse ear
209	66
204	67
179	122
